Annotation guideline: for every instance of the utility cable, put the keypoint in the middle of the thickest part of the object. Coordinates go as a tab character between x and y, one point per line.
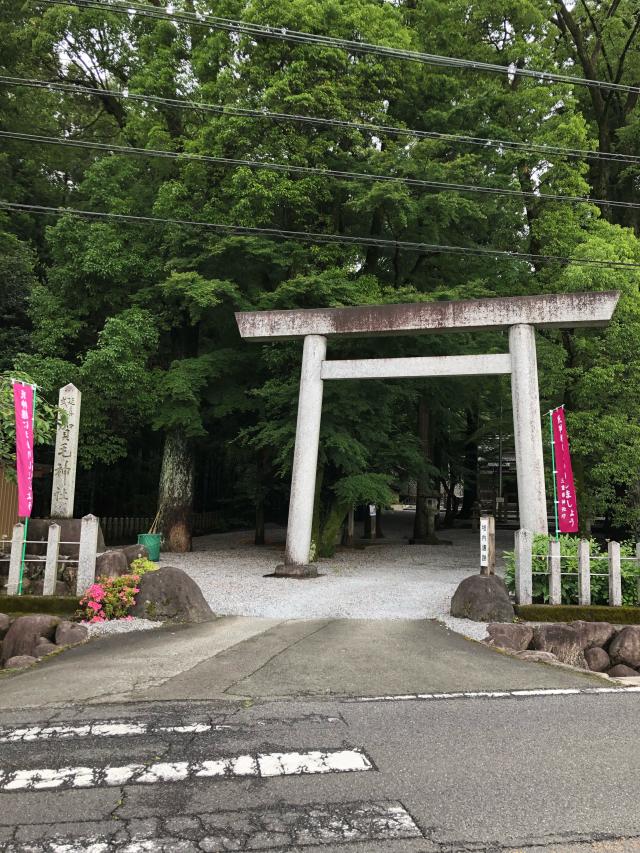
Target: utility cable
438	186
295	36
314	237
378	129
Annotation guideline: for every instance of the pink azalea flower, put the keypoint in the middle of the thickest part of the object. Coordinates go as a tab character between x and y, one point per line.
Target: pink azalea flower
97	619
93	605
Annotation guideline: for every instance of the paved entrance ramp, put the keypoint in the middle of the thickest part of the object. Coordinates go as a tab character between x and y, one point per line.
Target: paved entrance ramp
361	658
242	657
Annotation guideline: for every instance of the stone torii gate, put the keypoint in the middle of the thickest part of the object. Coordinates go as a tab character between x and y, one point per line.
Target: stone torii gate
521	315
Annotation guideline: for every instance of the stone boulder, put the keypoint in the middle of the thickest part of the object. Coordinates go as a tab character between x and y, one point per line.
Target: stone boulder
504	635
622	671
625	647
44	648
25	633
5	623
134	552
20	661
597	659
593	634
112	564
170	595
482	598
70	633
562	641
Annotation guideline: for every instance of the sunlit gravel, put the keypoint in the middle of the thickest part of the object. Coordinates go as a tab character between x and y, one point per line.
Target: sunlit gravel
391	580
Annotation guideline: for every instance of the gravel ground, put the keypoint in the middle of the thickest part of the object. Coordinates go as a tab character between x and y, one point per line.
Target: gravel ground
393	580
120	626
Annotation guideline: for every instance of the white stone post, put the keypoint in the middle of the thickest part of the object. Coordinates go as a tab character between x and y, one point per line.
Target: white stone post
524	568
305	461
51	565
487	545
584	573
15	560
87	553
527	429
555	580
66	454
615	579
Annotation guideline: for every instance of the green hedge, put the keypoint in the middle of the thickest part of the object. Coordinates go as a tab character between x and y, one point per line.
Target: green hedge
21	605
571	613
629	569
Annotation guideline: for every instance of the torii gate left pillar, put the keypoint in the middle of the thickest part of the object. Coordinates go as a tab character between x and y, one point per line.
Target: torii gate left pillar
305	460
521	315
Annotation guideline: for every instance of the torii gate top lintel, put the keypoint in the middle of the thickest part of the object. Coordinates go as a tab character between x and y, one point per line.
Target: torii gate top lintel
555	310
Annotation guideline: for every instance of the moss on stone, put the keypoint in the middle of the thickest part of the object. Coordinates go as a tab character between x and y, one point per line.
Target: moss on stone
574	612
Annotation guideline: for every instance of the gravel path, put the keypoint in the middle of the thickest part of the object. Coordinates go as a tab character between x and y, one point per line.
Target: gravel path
120	626
393	580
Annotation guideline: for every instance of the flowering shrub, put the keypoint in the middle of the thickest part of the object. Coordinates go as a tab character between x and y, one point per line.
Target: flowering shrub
141	566
109	598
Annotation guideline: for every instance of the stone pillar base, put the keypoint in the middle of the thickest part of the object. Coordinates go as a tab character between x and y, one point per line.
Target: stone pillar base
285	571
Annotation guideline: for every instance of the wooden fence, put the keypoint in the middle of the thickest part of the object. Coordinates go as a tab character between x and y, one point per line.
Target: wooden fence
607	565
120	531
86	562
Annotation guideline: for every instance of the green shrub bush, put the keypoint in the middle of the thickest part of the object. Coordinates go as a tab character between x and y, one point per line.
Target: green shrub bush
630	571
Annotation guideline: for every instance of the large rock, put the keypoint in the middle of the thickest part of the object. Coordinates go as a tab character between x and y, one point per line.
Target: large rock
69	633
44	648
503	635
134	552
622	671
25	633
482	598
111	564
597	659
562	641
593	634
625	647
20	661
5	622
169	594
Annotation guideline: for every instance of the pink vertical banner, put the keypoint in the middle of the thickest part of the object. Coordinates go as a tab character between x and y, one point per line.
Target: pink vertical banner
567	502
23	402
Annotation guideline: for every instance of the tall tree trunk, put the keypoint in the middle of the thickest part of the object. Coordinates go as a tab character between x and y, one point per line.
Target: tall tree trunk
175	500
260	476
331	528
379	533
470	494
420	524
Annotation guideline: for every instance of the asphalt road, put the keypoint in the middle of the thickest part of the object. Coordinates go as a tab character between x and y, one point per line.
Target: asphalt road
542	772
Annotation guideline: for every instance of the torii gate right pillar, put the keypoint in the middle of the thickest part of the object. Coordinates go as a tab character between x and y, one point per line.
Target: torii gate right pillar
527	430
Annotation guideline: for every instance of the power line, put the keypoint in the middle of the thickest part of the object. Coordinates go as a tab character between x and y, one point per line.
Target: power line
296	36
439	186
378	129
314	237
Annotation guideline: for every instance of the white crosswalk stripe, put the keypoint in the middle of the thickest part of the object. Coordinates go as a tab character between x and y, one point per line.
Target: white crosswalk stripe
260	765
